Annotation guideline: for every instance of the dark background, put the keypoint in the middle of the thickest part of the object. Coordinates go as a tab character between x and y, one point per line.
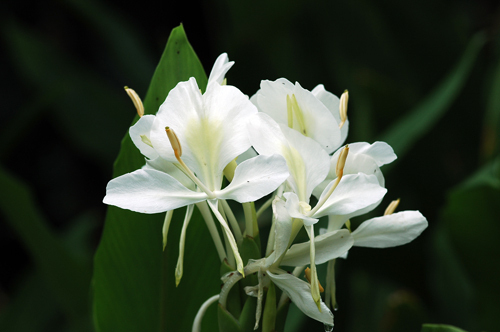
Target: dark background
64	112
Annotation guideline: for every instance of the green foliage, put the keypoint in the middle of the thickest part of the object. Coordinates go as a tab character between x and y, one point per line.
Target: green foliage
65	277
440	328
134	285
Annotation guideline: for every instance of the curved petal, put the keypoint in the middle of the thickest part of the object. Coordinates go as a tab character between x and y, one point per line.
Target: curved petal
149	191
299	292
211	128
283	228
307	162
391	230
328	246
332	102
140	132
165	166
294	210
219	70
354	192
311	118
381	152
255	178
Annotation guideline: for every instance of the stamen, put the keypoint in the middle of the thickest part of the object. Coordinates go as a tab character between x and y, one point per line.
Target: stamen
343	107
136	100
308	277
176	146
174	141
340	172
392	207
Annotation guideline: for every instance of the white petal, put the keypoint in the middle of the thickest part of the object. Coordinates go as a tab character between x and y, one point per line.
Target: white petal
328	246
354	192
255	178
143	128
307	162
381	152
283	228
318	121
149	191
315	161
332	102
211	128
389	231
299	292
219	70
293	207
165	166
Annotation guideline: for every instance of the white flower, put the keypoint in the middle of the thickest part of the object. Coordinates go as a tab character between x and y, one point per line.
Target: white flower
210	131
314	114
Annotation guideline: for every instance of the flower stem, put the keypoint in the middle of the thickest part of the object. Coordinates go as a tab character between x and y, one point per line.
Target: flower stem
201	313
232	221
209	220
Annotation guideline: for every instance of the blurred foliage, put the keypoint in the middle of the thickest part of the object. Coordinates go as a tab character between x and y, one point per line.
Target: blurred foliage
64	113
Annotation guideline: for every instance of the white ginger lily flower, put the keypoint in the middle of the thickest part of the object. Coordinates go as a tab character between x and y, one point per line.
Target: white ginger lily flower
209	133
314	114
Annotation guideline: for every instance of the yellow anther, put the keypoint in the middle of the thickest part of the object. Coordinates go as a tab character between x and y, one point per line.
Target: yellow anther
308	277
339	169
343	108
392	207
136	100
174	141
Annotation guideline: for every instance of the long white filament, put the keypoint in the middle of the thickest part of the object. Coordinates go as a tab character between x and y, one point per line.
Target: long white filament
201	313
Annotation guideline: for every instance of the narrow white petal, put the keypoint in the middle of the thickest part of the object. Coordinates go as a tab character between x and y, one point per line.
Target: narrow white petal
328	246
219	70
142	128
255	178
299	292
149	191
179	269
354	192
389	231
283	228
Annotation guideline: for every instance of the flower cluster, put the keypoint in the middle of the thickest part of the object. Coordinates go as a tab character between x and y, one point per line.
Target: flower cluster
285	141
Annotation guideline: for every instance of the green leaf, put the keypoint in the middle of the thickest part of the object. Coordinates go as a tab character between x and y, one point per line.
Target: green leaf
134	282
406	131
67	278
440	328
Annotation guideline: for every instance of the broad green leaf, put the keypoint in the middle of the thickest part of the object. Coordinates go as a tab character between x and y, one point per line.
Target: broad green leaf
440	328
408	130
67	278
134	282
